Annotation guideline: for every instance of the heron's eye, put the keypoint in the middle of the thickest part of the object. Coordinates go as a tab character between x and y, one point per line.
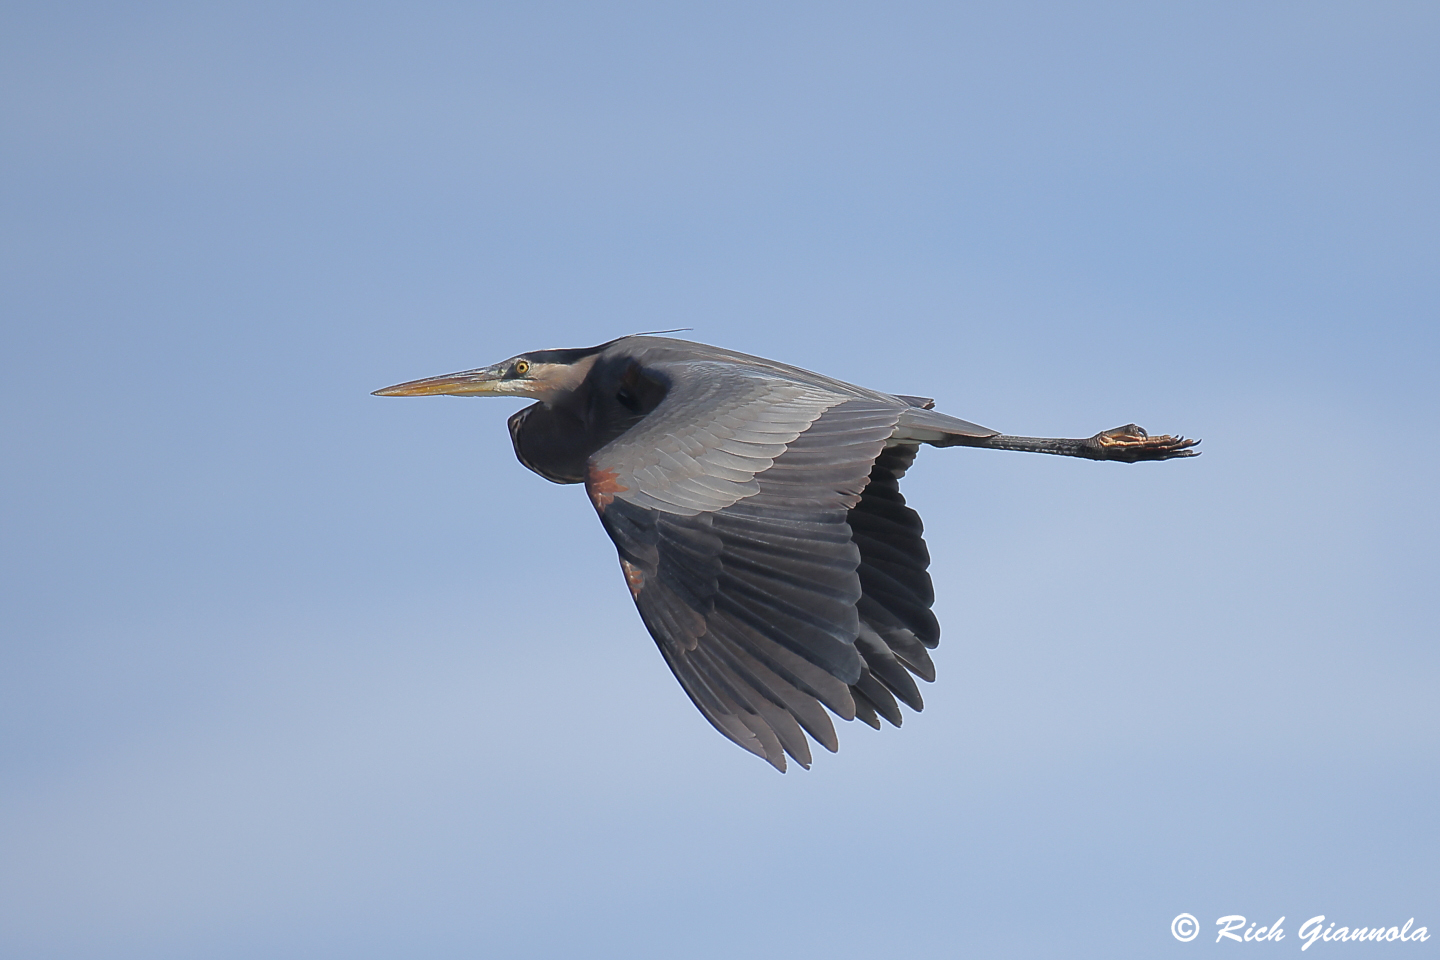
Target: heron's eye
521	367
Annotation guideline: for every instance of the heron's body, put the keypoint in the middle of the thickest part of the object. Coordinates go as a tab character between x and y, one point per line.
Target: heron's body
756	510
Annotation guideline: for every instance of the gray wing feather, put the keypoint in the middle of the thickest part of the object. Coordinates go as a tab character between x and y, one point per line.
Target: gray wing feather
717	428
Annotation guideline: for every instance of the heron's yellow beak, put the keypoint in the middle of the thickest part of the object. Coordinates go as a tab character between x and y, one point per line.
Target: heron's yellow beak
467	383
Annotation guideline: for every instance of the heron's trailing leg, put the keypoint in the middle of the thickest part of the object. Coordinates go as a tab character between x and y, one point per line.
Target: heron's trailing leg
1129	444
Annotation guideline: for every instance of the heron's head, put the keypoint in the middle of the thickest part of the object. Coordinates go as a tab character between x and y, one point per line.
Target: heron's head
544	375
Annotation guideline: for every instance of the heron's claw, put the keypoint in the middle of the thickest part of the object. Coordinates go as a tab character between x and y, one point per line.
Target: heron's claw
1131	443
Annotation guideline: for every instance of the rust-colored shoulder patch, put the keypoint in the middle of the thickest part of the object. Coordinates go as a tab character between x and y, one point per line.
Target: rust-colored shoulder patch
634	578
602	485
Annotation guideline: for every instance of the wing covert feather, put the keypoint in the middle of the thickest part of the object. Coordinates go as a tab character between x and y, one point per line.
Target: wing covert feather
718	427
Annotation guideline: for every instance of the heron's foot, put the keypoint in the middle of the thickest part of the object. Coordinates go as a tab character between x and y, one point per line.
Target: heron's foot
1131	443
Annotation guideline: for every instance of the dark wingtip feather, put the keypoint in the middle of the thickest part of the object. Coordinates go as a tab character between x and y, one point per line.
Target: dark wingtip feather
864	711
885	667
879	696
911	652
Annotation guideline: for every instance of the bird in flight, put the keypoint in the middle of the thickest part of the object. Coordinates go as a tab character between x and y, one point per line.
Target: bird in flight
757	512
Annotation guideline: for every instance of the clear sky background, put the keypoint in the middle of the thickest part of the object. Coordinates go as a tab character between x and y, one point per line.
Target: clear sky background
290	671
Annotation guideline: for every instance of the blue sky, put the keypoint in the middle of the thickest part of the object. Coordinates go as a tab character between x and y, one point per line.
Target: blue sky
288	670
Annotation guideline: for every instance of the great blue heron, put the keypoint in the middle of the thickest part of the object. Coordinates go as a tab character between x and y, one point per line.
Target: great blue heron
757	512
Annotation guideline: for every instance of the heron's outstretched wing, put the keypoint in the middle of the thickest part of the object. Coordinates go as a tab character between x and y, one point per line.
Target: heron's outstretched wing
769	553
